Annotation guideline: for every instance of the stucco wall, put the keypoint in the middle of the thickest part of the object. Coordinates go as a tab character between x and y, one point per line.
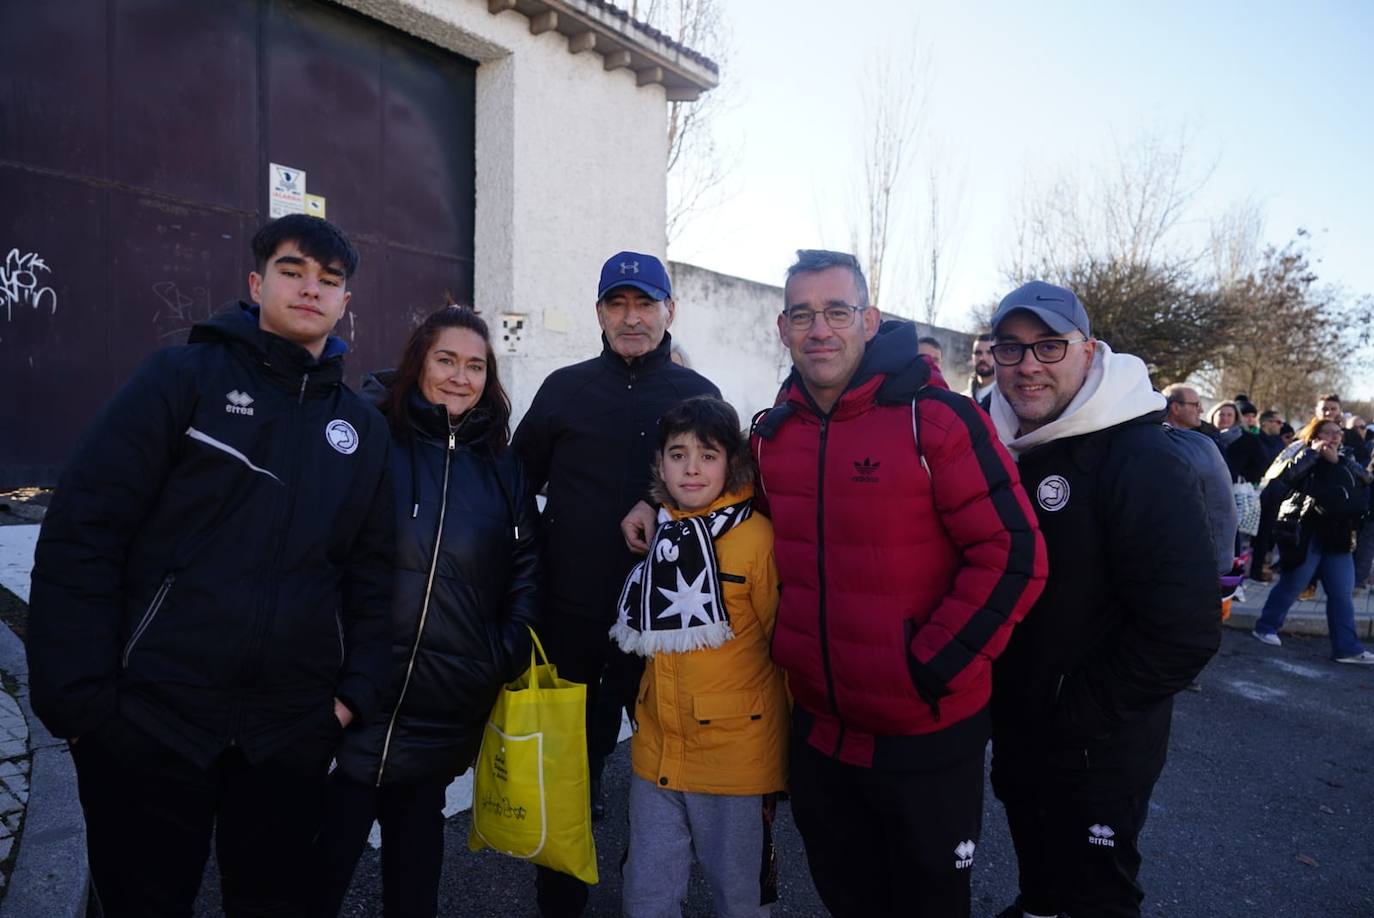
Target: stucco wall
570	169
727	326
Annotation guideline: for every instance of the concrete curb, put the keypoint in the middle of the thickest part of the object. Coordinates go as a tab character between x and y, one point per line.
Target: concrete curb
1306	617
51	877
1307	624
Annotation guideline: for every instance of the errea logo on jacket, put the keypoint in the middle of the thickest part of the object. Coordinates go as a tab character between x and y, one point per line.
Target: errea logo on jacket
1101	835
239	403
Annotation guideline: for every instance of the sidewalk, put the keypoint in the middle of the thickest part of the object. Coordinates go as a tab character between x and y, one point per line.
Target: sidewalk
1305	617
39	811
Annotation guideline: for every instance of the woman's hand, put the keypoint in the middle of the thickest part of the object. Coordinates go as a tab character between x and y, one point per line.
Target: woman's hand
1327	450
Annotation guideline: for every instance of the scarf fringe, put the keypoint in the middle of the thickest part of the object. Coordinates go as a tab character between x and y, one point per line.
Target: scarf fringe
648	643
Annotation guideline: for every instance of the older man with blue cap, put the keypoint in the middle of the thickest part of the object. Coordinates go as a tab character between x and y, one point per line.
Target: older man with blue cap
589	436
1083	696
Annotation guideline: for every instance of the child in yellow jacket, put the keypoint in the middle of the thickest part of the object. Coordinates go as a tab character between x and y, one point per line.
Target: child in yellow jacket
710	748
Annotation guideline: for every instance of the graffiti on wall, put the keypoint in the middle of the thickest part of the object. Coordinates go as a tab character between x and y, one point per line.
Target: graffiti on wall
21	285
180	308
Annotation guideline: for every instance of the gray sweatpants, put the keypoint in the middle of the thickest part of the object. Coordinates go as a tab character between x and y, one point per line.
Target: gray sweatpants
668	827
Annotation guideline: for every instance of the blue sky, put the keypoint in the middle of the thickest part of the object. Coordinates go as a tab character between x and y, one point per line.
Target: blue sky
1277	100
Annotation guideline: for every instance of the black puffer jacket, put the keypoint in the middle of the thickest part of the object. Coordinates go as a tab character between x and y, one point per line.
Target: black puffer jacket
466	589
590	434
1083	695
1326	500
216	564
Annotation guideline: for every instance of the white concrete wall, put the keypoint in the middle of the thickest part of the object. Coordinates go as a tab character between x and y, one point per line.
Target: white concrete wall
728	328
571	162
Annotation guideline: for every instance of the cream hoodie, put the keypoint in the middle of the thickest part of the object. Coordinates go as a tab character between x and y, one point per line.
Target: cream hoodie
1117	389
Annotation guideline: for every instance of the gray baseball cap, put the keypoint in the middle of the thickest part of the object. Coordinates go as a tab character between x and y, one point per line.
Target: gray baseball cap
1057	307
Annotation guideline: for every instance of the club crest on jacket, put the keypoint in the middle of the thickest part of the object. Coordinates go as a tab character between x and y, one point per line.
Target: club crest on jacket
1053	493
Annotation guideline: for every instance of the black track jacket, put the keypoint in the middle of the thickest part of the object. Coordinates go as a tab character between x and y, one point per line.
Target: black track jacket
1083	696
216	564
591	434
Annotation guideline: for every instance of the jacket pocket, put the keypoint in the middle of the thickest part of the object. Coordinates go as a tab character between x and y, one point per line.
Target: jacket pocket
724	721
727	712
927	688
149	614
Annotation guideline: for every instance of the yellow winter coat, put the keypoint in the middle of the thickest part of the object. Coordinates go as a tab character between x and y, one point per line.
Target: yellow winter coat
714	721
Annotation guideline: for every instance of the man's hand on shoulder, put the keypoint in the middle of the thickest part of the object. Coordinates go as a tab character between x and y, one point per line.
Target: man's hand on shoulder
638	527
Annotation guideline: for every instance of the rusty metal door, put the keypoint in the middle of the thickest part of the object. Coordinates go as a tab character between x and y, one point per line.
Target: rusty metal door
135	142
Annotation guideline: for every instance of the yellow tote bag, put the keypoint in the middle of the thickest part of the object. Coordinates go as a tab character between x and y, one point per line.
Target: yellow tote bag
530	795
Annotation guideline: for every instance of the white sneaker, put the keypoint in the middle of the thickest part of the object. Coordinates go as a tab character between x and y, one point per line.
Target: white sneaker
1364	657
1271	639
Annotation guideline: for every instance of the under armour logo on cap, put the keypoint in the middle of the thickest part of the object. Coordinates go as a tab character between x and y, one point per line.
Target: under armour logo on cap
635	269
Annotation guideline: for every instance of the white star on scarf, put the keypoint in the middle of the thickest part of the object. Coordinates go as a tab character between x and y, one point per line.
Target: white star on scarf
688	600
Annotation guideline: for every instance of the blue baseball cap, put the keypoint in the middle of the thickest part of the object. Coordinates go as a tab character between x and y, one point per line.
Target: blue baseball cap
1057	307
635	269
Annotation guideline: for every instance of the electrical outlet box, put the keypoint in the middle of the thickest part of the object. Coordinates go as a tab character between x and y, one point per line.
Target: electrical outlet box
514	327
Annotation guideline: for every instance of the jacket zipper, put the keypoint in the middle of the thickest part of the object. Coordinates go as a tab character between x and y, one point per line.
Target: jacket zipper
262	626
343	653
820	579
424	607
149	614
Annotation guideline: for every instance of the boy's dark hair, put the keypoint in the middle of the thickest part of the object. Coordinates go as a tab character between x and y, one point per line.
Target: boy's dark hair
494	400
1269	416
933	342
1330	397
320	239
1286	430
713	422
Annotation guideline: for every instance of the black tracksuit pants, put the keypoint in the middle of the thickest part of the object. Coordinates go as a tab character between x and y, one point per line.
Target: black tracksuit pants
1079	857
412	818
888	843
150	814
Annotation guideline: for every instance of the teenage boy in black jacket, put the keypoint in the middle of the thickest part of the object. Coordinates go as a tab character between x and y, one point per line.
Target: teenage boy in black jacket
1083	695
211	592
590	435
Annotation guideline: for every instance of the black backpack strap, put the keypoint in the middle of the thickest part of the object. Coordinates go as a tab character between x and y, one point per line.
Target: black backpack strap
768	421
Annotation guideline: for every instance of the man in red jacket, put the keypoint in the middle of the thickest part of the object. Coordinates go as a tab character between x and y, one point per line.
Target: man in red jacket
907	551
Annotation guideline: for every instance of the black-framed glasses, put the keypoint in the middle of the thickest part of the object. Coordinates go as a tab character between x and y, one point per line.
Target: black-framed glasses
1047	350
836	317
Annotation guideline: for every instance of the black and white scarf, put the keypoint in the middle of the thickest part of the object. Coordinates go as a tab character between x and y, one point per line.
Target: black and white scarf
672	599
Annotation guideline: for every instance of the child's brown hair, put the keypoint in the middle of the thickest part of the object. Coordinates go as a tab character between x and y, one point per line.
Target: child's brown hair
713	422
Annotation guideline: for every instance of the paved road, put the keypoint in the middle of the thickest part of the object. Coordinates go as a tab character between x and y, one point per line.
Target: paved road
1265	809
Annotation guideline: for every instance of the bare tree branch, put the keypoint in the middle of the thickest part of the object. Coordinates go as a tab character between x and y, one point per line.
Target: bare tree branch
892	107
697	166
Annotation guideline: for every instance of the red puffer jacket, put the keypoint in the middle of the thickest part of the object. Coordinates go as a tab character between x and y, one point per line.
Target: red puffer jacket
903	569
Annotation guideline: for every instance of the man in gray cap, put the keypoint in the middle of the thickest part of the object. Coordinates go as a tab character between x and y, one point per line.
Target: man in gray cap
1083	696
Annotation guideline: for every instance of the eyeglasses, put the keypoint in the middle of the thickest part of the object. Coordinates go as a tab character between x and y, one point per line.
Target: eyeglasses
1179	402
1048	350
836	317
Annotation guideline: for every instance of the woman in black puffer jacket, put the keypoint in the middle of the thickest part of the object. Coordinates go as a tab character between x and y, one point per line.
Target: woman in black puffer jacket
1317	521
466	587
